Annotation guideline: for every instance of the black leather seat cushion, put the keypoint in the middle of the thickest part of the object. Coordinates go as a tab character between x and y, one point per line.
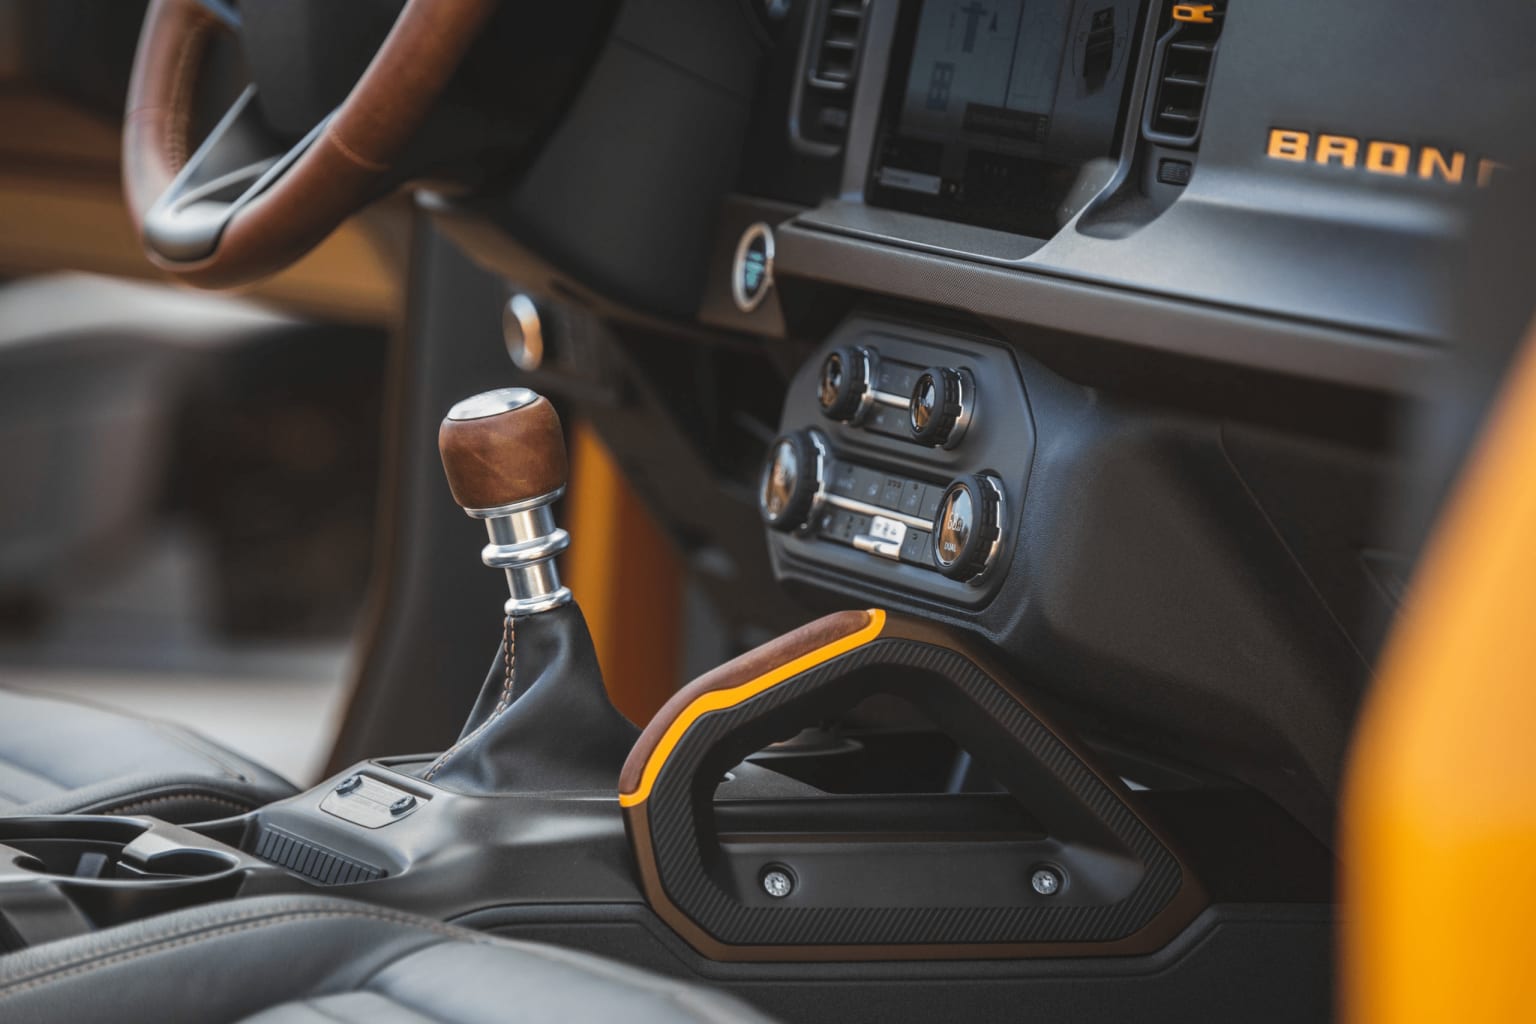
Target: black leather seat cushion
62	756
311	960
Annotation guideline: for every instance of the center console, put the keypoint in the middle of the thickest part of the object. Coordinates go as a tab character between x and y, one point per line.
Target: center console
746	836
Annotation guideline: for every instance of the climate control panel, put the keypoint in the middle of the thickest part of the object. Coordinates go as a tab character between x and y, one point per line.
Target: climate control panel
953	529
903	458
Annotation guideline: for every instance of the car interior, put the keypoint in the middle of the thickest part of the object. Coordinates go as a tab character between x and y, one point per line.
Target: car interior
985	509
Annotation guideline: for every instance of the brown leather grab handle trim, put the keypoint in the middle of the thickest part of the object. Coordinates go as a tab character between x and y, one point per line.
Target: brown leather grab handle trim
340	172
759	661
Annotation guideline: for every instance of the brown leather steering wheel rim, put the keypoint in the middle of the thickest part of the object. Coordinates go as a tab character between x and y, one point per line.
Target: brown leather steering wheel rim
343	168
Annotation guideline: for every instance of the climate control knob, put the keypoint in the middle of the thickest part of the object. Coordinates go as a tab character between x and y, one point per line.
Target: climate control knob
940	409
846	387
967	529
792	481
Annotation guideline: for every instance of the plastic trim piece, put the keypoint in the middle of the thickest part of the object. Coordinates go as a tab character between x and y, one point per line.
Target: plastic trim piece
1133	908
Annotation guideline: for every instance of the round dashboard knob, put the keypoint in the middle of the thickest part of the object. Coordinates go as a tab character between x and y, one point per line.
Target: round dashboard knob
847	376
786	495
940	406
966	529
522	328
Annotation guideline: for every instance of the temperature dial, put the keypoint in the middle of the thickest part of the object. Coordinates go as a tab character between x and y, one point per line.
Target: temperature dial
967	530
845	390
791	485
940	410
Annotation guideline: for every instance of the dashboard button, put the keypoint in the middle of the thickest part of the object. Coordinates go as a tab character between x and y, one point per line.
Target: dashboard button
790	488
752	268
890	492
940	408
913	495
885	419
967	532
845	480
522	329
867	485
884	538
931	498
917	548
896	378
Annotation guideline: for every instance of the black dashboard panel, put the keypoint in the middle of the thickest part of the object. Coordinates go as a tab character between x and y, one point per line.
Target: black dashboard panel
1336	238
1190	583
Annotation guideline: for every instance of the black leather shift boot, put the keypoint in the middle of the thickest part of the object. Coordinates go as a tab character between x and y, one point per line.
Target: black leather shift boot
542	721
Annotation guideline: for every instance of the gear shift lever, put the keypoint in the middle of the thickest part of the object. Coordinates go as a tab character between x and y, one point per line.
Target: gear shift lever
504	456
543	721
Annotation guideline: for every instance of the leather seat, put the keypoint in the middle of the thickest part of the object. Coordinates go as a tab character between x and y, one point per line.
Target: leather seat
313	960
63	756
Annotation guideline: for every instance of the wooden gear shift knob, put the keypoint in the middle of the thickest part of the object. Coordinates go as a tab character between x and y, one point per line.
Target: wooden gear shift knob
501	448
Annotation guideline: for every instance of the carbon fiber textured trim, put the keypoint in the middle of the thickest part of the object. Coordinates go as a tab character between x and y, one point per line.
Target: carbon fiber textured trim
677	843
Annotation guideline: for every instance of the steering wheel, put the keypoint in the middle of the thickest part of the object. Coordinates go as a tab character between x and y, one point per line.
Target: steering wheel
246	203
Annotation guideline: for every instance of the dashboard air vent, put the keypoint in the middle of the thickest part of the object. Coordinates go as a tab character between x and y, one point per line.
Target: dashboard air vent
1185	57
831	63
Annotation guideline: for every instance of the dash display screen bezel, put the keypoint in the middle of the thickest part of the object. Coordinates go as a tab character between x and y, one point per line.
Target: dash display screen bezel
1030	196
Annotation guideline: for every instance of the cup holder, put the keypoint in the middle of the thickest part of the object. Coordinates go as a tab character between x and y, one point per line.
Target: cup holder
82	848
183	864
103	849
61	875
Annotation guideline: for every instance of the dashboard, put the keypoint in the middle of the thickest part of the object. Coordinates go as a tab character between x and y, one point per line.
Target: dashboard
1090	327
1283	187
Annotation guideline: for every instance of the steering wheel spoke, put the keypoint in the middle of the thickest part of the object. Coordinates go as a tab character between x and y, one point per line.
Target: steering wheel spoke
237	162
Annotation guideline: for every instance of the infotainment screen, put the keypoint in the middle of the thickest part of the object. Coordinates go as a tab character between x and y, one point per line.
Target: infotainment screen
997	110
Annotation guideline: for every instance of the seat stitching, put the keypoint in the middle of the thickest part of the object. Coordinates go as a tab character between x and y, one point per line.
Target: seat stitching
509	657
103	959
182	795
95	961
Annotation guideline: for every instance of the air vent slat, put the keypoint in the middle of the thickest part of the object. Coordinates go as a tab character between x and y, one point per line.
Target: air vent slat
831	65
1185	57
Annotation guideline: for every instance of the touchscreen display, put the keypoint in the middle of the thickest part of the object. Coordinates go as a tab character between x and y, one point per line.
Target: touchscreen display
1000	107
